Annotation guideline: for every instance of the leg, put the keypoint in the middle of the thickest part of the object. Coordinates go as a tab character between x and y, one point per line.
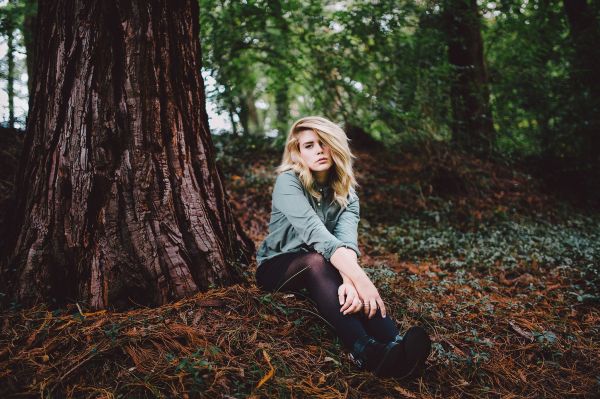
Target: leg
382	329
292	272
310	270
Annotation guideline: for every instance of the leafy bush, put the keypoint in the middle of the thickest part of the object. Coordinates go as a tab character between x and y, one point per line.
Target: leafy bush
508	244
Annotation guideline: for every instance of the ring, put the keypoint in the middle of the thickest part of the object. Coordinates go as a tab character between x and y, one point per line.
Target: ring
368	305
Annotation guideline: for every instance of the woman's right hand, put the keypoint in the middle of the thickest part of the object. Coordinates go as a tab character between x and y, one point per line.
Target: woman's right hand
370	297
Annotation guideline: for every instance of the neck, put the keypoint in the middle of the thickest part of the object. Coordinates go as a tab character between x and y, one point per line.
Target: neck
321	177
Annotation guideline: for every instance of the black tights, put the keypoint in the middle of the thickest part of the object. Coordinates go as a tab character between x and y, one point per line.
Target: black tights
294	271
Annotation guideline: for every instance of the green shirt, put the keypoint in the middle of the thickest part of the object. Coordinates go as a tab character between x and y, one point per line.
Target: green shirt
301	223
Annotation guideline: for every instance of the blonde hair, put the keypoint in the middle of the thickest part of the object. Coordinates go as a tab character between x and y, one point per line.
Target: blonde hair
341	174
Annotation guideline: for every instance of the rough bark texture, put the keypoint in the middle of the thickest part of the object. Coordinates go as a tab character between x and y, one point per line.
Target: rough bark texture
119	200
472	125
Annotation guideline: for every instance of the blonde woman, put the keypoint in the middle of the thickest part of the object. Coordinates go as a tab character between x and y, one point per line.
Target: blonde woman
313	244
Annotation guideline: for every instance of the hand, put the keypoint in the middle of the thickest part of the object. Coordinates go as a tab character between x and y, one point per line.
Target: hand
349	299
370	297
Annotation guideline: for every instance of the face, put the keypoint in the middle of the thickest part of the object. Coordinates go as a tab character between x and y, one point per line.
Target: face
314	152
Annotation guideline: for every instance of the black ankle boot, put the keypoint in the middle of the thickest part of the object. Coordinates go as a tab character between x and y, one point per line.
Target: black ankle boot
374	356
416	346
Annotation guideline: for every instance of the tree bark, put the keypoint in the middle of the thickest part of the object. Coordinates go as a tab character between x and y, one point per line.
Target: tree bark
119	200
472	124
585	35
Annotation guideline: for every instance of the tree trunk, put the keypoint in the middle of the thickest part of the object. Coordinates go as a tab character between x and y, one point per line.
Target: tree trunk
10	60
282	104
253	121
585	35
119	200
472	124
244	118
281	86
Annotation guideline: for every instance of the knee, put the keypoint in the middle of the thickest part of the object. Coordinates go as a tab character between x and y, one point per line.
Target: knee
318	265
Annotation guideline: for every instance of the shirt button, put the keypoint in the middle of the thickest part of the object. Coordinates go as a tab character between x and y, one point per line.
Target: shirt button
318	203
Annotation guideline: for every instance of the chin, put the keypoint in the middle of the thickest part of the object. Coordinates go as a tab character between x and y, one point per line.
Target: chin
320	168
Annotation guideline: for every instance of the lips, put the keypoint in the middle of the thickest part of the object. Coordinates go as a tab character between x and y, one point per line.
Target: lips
322	160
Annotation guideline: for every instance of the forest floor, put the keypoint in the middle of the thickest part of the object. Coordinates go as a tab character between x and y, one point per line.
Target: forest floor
504	277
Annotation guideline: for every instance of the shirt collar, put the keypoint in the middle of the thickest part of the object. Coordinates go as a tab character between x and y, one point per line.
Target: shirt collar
319	187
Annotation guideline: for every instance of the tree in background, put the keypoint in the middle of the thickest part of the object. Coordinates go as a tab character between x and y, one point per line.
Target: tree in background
413	73
584	29
119	200
251	51
12	15
9	22
472	123
28	29
374	66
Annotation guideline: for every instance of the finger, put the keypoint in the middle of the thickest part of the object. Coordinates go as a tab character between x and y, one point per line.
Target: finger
354	307
381	307
348	302
373	308
358	306
341	293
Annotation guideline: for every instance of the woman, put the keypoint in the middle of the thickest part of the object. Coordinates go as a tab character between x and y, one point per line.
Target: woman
313	243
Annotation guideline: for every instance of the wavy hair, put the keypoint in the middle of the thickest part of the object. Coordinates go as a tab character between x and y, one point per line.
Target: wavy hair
341	175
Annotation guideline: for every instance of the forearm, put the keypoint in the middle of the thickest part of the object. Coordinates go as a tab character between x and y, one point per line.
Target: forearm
346	261
346	279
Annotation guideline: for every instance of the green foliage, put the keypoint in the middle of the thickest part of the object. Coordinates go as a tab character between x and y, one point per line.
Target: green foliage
13	36
382	277
527	54
251	49
383	67
112	331
574	243
194	365
508	244
374	65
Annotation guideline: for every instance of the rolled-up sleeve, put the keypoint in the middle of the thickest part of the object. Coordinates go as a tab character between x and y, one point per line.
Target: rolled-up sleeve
289	199
346	229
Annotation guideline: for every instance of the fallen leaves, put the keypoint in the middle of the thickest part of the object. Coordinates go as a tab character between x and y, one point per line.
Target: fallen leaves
525	334
270	373
404	392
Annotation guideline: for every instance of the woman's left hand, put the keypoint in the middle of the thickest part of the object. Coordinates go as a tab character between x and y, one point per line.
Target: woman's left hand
349	299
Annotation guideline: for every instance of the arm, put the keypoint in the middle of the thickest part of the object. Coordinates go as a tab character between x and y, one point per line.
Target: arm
345	261
289	199
346	228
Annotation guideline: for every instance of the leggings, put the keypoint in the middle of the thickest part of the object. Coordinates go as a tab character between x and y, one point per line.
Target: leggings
293	271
